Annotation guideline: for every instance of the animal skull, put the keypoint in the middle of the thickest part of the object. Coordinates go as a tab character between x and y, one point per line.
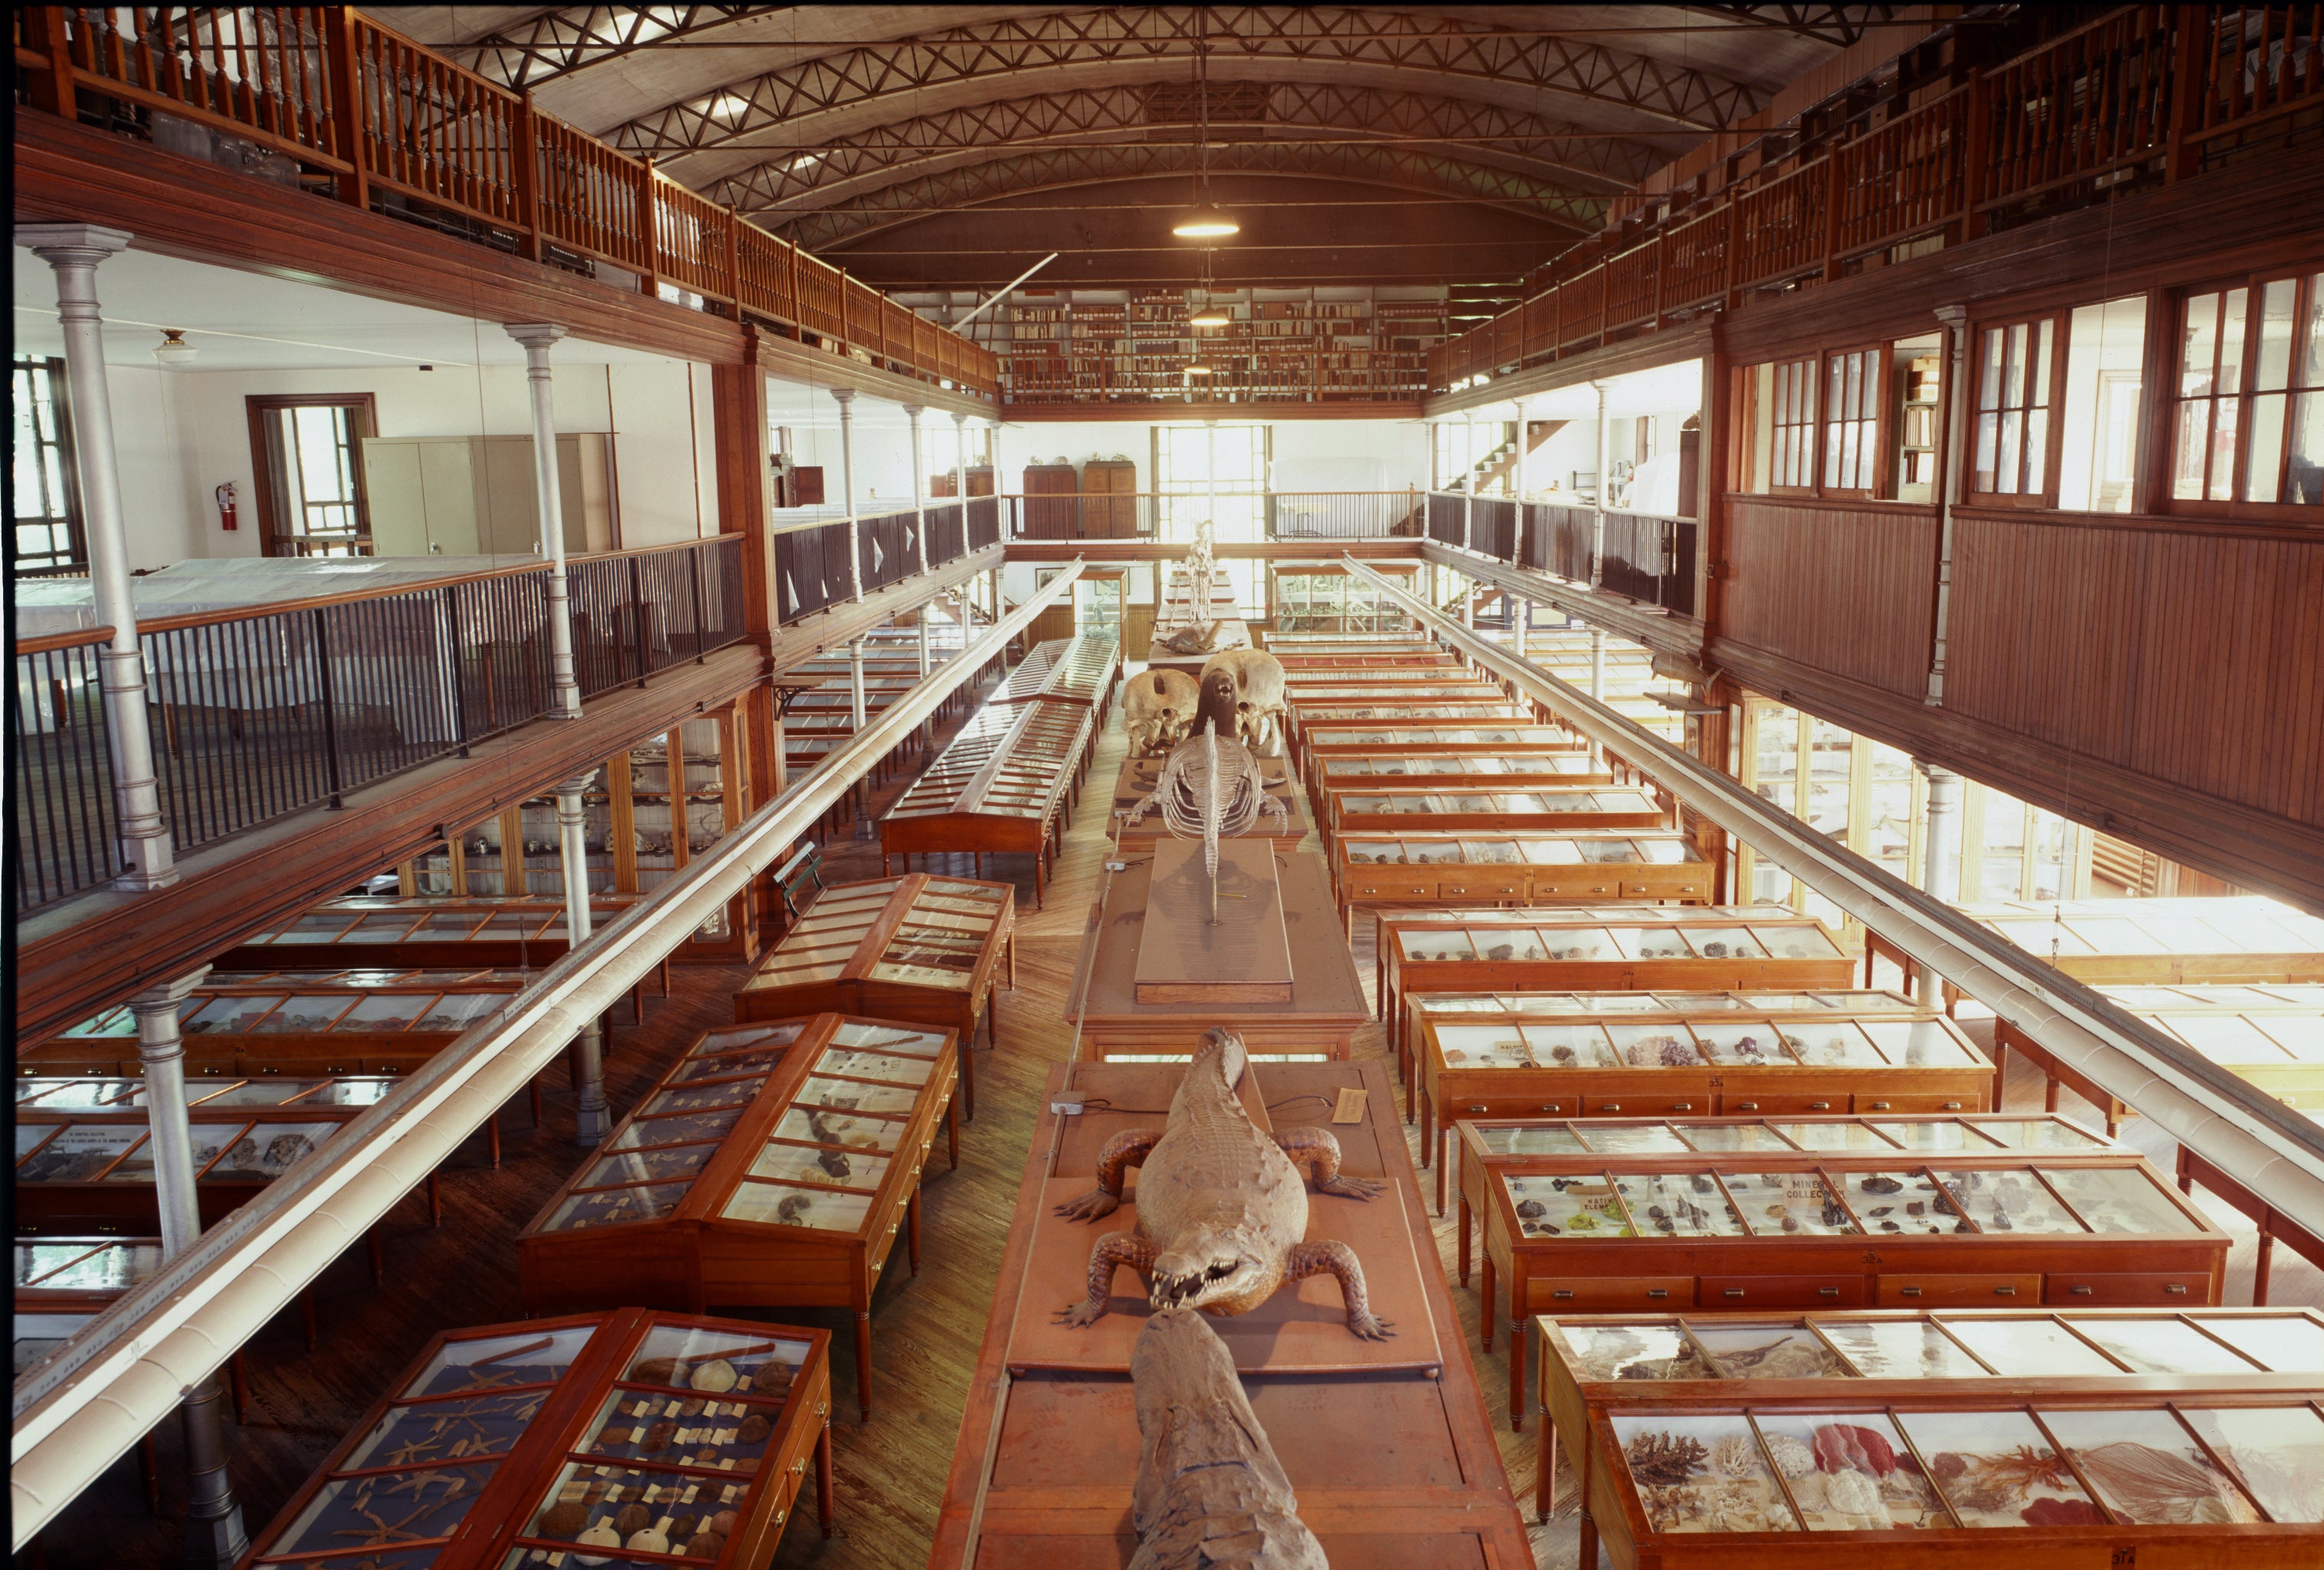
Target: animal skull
1259	707
1157	706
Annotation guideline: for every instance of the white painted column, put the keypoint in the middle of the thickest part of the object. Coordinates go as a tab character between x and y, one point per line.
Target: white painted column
1468	480
1524	624
215	1536
1520	479
999	489
73	252
1941	850
1597	683
847	397
594	1119
855	681
960	468
912	411
564	688
1955	459
1605	484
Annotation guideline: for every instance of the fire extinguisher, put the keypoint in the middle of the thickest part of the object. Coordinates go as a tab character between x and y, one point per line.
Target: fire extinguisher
224	494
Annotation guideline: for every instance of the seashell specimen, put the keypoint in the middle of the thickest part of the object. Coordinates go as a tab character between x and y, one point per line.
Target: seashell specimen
601	1535
705	1546
689	1409
655	1439
649	1540
717	1377
655	1370
1855	1494
1792	1457
682	1530
722	1523
632	1519
563	1520
614	1437
754	1429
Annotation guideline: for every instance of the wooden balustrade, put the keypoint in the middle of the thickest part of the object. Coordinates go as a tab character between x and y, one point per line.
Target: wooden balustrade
2143	86
357	102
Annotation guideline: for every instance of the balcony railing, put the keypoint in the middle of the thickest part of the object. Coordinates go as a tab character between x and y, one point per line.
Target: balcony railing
336	99
1647	558
2147	92
261	713
1344	514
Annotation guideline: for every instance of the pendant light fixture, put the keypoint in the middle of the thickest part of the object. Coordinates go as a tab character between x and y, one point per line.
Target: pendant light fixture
1208	221
1211	314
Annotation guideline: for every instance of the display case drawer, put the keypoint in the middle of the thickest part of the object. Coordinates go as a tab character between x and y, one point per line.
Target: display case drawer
1515	1106
1935	1102
1572	886
1482	888
1688	888
1780	1292
1694	1103
1977	1291
2127	1289
1584	1296
1778	1104
1373	886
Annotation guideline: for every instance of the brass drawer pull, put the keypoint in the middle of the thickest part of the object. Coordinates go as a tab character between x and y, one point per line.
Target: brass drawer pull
1658	1291
2005	1291
1563	1294
1746	1106
2079	1291
1477	1109
2175	1289
1908	1291
1611	1106
1550	1107
1827	1291
1819	1106
1952	1106
1733	1292
1880	1106
1681	1106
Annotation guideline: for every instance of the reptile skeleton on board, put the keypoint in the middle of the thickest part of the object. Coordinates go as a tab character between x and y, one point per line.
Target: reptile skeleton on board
1222	1212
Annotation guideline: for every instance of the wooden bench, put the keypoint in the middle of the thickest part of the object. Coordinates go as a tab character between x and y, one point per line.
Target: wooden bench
792	878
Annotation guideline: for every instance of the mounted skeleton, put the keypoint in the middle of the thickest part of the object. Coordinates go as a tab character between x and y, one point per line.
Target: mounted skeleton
1210	786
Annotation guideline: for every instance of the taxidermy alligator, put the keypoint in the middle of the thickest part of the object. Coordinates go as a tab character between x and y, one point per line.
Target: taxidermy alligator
1210	786
1209	1491
1222	1212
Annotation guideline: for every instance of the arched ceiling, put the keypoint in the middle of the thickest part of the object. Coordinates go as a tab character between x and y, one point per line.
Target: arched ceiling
865	132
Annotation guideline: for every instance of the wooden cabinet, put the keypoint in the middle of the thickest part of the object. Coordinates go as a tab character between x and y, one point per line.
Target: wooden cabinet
920	948
293	1022
562	1441
1446	758
1084	669
1001	785
1285	642
1383	807
1110	485
773	1166
1912	1228
1547	1058
1606	949
1321	597
1533	867
1051	508
2273	1036
2024	1439
90	1168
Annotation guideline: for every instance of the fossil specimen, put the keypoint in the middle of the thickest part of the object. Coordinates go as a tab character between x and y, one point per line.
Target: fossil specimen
1209	1491
1157	705
1220	1209
1260	711
1210	786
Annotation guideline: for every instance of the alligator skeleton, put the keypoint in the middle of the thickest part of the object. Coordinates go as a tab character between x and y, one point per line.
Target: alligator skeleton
1210	786
1210	1491
1222	1212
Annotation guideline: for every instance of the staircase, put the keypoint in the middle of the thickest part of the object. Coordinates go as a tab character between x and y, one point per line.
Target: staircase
1496	467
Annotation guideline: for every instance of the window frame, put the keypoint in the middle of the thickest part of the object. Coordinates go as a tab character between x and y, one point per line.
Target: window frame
1810	418
266	463
1872	406
2045	494
76	553
2308	280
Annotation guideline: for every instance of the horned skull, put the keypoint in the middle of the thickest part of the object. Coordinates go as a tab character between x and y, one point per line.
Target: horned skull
1260	711
1157	705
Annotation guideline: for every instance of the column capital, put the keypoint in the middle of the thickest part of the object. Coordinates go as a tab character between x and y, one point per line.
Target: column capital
1951	314
63	244
578	783
915	410
847	395
169	994
534	334
960	417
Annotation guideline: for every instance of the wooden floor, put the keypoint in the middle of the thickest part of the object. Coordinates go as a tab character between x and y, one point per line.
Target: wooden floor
890	1473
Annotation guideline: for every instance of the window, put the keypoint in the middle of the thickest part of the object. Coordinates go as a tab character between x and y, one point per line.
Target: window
2098	436
1791	460
1219	473
2015	394
308	454
1851	430
2249	421
47	513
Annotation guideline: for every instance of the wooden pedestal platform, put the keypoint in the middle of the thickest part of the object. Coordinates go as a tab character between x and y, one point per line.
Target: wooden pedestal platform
1234	633
1327	998
1217	946
1136	782
1392	1459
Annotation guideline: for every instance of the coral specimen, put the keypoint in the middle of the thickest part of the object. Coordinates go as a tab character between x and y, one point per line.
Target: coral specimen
2063	1512
1853	1494
1665	1458
1732	1456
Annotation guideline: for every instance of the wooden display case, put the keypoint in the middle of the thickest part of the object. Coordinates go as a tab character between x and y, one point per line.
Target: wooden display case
2273	1224
1416	870
291	1022
1084	668
772	1167
1346	660
1327	1004
925	949
1608	949
1487	1143
1747	1231
1004	785
1377	806
1286	641
1454	758
1323	598
1315	703
2173	942
1381	673
61	1283
1908	1438
2271	1036
1411	715
556	1442
420	932
1136	781
1386	1443
91	1169
1620	1062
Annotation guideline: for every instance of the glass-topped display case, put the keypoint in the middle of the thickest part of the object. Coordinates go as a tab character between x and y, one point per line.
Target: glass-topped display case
1393	714
1323	598
925	949
628	1438
1747	1230
336	1024
1084	668
771	1167
1003	785
90	1168
1455	759
1424	804
1602	948
405	932
1384	870
1553	1063
2273	1036
1842	1418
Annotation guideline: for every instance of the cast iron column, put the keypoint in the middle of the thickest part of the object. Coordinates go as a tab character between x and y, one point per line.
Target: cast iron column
912	411
593	1120
846	396
538	337
1940	845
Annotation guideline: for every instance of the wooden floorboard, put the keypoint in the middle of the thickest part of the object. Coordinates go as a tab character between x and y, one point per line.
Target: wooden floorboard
889	1473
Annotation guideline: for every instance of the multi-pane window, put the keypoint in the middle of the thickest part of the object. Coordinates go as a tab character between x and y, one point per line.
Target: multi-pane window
314	492
2249	424
2013	398
1791	462
1851	421
1217	473
47	512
